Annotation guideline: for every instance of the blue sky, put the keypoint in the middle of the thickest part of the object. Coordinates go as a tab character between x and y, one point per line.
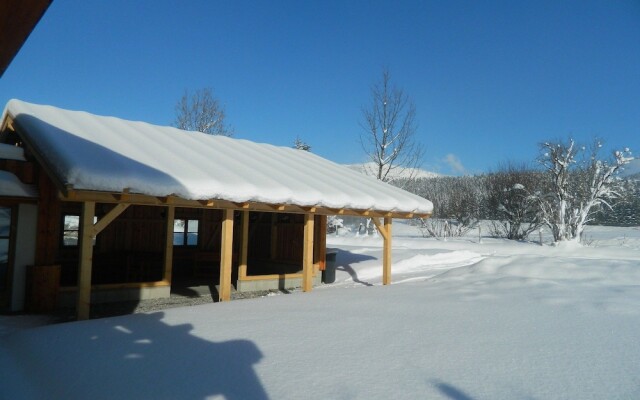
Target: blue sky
490	80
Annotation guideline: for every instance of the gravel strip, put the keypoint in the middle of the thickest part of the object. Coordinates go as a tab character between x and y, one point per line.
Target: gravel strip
152	305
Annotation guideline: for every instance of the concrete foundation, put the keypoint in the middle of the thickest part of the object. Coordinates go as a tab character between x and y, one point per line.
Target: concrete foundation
273	284
68	299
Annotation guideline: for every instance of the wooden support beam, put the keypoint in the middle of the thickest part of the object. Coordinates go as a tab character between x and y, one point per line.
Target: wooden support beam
108	218
168	244
244	247
307	254
386	253
226	251
320	242
83	305
207	203
385	232
335	211
70	194
168	200
124	196
380	227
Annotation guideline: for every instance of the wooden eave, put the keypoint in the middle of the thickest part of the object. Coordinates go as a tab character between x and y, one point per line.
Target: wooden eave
126	197
17	20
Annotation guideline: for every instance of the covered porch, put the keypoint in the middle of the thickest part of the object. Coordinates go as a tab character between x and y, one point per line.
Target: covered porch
257	246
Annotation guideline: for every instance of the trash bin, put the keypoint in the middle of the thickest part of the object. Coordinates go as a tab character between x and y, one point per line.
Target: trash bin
329	273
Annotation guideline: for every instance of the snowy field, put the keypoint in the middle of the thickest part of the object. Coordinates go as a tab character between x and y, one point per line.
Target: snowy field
463	320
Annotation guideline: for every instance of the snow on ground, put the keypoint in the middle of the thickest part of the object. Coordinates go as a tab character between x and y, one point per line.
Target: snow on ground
463	320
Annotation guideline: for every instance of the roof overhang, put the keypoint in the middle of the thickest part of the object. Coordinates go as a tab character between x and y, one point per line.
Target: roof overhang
17	19
70	194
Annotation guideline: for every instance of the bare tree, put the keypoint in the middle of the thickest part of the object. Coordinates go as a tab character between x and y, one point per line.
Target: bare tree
389	131
201	112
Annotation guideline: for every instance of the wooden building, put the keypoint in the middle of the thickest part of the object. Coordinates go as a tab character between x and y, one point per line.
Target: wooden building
103	209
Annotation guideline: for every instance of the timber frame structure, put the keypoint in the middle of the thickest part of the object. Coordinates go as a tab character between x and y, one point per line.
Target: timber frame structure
122	201
101	212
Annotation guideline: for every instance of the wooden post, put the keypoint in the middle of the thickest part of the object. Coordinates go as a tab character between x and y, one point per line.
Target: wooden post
168	245
320	242
385	231
307	254
226	252
83	305
386	254
244	248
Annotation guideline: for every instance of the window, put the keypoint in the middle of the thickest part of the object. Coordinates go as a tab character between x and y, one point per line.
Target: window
71	230
185	232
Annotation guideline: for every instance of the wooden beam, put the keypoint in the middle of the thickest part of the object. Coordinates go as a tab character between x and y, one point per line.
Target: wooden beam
168	244
244	248
385	231
124	196
83	305
108	218
307	254
71	194
381	229
320	242
226	252
10	125
169	200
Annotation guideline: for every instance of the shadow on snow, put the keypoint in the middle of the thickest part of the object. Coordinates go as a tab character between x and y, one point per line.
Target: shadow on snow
135	357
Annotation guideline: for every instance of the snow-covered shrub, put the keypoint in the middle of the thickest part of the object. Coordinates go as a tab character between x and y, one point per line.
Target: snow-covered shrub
458	201
515	201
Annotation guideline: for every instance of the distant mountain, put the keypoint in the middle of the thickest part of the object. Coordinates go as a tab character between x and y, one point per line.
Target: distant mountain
632	169
399	173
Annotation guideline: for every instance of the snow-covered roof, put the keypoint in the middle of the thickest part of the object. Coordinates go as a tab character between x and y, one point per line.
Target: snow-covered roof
10	152
98	153
10	186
